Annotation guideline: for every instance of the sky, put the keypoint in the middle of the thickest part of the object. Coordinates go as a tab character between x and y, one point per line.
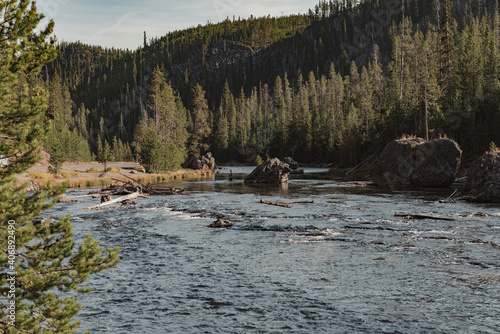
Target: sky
121	23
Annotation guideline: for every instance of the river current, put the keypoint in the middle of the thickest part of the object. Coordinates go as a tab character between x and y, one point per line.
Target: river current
344	264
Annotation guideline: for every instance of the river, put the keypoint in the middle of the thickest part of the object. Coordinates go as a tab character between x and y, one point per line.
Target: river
344	264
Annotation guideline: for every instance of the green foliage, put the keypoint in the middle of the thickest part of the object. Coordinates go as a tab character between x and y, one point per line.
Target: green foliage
493	147
159	156
202	127
45	264
350	82
161	140
56	155
121	151
150	152
74	146
104	153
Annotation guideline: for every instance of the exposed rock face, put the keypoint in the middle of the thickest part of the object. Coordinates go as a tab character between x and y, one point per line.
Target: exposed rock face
206	161
272	171
417	162
483	179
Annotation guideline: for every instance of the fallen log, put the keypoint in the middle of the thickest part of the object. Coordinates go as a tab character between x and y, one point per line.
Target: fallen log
82	196
367	160
301	202
128	177
116	200
407	216
450	198
125	182
263	201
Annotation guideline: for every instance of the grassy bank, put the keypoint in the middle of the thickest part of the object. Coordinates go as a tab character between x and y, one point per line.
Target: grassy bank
77	180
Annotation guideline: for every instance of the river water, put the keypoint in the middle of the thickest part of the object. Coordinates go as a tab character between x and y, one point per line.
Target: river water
344	264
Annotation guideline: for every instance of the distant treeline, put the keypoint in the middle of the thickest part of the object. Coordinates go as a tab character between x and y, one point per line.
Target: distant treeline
332	85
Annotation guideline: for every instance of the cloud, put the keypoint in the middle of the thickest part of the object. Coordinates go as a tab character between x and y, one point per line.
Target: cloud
124	18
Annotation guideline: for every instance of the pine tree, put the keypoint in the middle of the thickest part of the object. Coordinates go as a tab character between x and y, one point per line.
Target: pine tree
221	140
280	133
447	53
39	263
198	142
57	156
229	110
150	154
104	153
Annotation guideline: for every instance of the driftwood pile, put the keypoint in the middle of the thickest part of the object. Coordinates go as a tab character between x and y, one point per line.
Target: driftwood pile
125	188
130	191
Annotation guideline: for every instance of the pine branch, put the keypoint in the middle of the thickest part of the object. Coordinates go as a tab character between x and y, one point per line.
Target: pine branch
6	137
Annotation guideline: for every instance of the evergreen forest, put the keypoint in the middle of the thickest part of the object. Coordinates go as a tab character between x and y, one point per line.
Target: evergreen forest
333	85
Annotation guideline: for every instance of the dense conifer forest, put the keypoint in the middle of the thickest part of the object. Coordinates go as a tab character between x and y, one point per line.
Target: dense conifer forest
330	86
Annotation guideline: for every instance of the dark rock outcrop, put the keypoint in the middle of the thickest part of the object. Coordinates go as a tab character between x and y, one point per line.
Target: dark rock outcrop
483	179
206	161
417	162
272	171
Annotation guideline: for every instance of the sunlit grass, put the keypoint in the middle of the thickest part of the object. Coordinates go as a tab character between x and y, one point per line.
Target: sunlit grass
43	179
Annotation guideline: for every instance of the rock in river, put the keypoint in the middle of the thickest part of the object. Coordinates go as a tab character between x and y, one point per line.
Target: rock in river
206	161
272	171
221	223
417	162
483	179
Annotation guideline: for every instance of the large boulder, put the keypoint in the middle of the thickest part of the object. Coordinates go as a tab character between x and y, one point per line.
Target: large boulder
417	162
206	161
483	179
272	171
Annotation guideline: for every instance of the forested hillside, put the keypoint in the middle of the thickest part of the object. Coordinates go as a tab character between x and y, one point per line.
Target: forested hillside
333	85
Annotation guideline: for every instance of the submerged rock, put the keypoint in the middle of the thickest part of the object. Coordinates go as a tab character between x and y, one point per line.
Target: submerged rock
272	171
483	179
417	162
221	223
65	199
206	161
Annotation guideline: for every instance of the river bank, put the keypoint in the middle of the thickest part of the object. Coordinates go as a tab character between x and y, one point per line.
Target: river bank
91	175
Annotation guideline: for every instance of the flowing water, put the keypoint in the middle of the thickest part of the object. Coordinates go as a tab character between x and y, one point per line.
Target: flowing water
344	264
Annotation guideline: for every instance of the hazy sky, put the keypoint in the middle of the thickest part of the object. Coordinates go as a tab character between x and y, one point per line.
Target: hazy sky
121	23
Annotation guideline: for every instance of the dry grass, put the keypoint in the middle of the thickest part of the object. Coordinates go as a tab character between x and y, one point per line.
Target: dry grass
101	170
40	175
67	174
140	169
87	180
46	175
93	170
405	137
